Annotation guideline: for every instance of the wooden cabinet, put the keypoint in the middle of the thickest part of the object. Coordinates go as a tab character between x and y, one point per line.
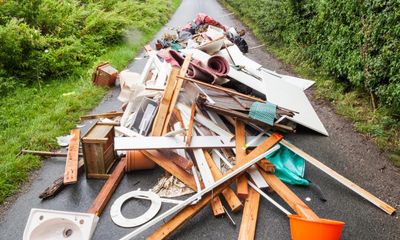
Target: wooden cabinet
98	151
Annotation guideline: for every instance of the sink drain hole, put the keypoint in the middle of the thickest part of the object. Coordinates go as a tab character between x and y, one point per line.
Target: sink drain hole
67	233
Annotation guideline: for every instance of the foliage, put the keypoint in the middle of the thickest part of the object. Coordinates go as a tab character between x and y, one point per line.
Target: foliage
43	39
51	89
357	42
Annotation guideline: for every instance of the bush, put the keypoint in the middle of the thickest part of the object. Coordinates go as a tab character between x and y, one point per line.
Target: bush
355	41
43	39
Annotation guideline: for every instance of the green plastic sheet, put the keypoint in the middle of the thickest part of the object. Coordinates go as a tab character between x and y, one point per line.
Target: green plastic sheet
289	167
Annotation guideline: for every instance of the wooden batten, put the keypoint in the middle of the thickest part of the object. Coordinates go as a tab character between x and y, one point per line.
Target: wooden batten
349	184
289	196
249	217
242	188
229	195
165	103
72	162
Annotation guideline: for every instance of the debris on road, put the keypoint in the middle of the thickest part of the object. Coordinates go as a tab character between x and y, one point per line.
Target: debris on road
212	118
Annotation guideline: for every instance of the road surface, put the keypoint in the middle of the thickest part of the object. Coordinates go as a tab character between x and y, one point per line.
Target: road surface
349	153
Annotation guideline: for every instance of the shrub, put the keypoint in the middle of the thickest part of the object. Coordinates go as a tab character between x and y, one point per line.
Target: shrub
43	39
355	41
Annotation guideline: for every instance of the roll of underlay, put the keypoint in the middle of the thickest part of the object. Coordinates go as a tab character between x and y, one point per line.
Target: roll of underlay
218	65
198	72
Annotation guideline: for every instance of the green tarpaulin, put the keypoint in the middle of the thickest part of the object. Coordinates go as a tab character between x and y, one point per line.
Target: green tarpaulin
289	167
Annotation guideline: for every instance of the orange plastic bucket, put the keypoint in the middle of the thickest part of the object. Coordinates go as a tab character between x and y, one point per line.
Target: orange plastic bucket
321	229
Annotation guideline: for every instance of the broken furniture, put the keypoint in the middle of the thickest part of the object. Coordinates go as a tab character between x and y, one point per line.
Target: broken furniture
98	151
104	75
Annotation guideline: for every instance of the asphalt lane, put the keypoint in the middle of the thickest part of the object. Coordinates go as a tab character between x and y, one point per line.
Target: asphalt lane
349	153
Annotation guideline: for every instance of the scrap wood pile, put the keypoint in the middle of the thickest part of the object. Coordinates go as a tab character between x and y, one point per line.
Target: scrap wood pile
212	118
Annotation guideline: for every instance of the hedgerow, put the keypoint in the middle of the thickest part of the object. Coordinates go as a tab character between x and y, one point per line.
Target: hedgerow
43	39
357	42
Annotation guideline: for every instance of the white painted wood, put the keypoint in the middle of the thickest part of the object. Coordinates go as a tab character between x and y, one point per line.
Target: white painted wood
204	169
291	97
189	200
257	177
126	132
206	122
269	198
238	57
298	82
178	142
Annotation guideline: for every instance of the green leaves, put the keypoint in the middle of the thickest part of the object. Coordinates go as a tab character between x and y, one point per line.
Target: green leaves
43	39
355	41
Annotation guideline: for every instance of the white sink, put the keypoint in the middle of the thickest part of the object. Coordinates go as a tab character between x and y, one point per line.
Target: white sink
49	225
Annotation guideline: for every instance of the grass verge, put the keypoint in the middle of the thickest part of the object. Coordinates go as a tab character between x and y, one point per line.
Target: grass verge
32	117
379	125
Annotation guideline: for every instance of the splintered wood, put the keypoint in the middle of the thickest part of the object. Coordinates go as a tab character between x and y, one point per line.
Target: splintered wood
72	162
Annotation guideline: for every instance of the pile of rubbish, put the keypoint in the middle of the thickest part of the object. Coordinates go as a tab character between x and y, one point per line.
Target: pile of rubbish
213	119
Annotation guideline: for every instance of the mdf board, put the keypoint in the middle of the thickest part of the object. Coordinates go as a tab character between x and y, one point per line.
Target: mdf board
98	150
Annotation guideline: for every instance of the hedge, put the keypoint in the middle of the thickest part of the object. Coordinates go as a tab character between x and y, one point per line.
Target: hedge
357	42
44	39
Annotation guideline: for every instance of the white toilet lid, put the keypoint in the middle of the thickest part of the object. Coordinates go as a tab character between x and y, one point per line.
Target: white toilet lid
120	220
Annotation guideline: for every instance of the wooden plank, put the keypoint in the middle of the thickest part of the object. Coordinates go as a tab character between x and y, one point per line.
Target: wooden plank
189	211
217	207
229	195
164	104
108	189
45	153
218	129
190	126
178	142
343	180
208	180
242	188
178	159
177	89
266	165
101	115
72	162
249	217
170	167
186	213
289	196
222	89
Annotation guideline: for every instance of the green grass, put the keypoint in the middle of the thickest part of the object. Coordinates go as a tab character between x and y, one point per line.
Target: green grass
379	125
34	116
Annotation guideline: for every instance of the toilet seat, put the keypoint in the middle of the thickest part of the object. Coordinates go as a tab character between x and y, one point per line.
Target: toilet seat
120	220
